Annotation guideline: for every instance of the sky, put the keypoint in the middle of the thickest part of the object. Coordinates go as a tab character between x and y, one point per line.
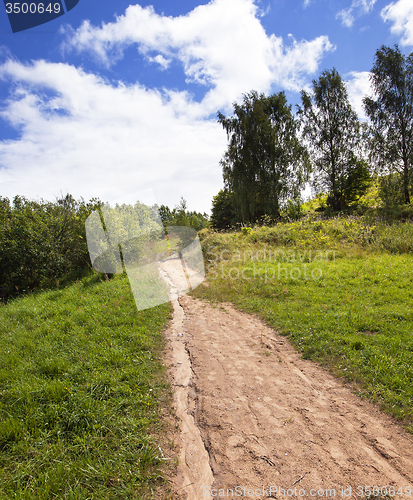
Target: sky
117	97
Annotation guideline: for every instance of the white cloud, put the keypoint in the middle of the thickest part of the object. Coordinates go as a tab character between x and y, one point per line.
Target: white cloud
400	13
94	139
221	45
358	86
163	63
356	9
82	134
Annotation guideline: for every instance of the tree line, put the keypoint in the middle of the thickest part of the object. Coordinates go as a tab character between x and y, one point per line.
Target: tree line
272	153
44	244
181	216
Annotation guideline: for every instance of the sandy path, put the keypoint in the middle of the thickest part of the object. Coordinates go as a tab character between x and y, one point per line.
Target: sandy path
194	468
269	418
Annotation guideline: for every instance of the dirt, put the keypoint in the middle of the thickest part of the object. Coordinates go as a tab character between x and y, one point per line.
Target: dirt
194	471
258	421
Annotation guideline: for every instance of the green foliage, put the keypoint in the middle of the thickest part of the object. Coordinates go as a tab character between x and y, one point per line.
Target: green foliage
332	128
357	181
391	115
223	211
341	234
316	204
165	214
42	242
82	393
371	202
180	216
391	190
265	164
371	198
293	210
132	233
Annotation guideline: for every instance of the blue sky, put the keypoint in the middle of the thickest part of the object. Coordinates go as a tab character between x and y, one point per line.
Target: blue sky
114	98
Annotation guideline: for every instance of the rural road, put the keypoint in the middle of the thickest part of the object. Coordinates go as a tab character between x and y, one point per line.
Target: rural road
260	422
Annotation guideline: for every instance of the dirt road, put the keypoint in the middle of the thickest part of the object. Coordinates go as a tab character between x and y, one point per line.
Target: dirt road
255	415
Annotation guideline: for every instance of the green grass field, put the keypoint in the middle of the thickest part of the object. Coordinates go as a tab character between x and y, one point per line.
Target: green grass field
341	290
82	393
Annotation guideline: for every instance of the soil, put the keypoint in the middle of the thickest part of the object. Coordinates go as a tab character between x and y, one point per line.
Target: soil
255	415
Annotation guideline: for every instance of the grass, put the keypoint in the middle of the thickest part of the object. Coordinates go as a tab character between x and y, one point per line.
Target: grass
82	388
341	290
82	391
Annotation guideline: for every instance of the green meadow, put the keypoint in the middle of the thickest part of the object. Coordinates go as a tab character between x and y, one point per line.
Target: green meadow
84	399
82	394
340	289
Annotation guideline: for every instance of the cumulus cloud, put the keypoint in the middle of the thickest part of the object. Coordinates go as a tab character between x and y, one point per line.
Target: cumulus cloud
400	13
83	134
357	8
91	138
222	46
358	86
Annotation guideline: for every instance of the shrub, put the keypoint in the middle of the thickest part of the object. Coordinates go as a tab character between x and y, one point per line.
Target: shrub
42	242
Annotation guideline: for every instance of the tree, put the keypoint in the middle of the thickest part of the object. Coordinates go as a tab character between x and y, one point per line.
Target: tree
180	216
357	181
41	242
265	163
180	213
223	213
391	114
165	214
333	132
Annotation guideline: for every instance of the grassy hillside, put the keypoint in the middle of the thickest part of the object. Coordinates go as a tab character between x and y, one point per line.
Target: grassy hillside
340	289
82	390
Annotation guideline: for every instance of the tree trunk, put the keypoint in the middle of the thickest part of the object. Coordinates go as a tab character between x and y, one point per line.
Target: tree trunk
406	185
336	202
405	166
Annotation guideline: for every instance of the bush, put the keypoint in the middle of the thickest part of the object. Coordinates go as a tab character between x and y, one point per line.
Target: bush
42	242
294	210
223	211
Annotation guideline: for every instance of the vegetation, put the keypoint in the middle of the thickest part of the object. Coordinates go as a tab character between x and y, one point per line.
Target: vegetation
123	236
83	390
333	132
391	115
340	289
265	163
82	393
223	212
271	152
42	242
180	216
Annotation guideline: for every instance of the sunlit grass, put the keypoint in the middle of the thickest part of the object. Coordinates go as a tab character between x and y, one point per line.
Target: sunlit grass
81	384
339	233
339	297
